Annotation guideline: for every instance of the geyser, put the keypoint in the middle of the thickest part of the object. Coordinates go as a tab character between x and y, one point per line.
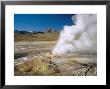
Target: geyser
81	37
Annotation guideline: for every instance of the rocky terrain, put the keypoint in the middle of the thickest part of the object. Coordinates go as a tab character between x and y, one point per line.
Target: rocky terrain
35	59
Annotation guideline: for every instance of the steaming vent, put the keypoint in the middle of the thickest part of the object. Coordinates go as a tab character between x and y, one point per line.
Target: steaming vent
81	37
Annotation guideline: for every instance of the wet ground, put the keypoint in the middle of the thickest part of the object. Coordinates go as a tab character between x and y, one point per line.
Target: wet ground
35	59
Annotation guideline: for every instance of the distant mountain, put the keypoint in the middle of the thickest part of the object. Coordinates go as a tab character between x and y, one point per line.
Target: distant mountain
49	30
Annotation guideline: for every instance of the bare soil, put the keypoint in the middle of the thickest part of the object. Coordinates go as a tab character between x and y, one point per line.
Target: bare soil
34	58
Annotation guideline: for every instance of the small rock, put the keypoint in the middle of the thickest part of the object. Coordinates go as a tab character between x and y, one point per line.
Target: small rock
24	67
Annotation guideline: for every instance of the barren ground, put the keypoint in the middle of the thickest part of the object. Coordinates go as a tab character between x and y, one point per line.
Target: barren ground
33	58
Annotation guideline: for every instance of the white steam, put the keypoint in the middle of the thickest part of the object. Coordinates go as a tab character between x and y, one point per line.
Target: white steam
81	37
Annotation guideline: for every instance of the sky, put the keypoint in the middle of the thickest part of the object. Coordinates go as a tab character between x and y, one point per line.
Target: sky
41	22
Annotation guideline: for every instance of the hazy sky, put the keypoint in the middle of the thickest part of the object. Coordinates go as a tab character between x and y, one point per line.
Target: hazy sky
40	22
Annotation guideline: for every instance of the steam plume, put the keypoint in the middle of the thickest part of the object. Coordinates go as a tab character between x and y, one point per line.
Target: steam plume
81	37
